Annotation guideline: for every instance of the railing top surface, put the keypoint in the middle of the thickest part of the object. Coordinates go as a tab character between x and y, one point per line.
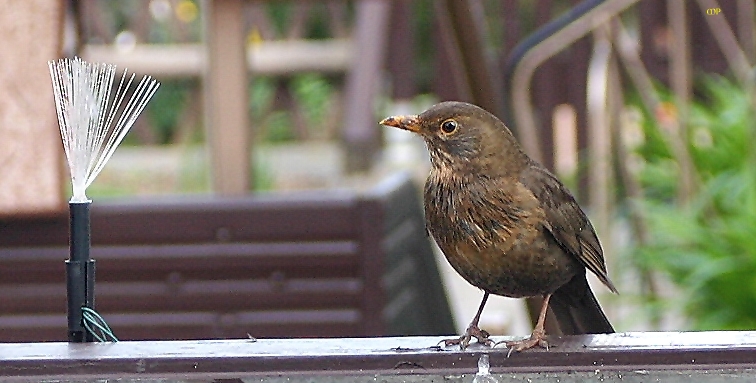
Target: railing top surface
386	356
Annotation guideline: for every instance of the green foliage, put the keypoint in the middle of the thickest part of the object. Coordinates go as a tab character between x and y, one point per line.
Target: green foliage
281	15
706	246
166	106
278	127
312	93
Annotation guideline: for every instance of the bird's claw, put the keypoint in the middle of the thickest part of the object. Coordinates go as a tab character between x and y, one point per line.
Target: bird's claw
472	332
535	339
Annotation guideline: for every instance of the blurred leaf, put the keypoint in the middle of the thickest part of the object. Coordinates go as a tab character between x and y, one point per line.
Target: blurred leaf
708	246
166	106
313	92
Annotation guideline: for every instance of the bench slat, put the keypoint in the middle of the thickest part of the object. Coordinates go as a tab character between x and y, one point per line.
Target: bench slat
191	295
192	325
227	261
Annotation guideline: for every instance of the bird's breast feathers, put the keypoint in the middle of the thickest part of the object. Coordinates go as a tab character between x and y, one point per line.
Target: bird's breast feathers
491	232
479	211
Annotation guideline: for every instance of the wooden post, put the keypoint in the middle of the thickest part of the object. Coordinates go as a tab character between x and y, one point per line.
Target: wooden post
361	131
225	91
449	78
599	120
746	28
679	74
477	68
401	61
31	159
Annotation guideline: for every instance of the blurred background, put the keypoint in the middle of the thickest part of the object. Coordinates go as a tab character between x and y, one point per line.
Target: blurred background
644	108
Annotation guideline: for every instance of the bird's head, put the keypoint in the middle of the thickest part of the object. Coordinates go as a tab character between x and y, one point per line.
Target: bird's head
462	136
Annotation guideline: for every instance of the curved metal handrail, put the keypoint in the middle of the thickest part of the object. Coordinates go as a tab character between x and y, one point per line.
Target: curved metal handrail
540	46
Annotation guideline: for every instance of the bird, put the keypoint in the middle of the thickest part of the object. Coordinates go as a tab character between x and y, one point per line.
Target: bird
505	223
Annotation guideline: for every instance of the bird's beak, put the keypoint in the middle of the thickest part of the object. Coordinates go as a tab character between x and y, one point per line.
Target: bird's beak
411	122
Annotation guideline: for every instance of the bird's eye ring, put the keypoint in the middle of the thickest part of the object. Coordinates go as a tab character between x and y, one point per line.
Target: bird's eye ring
449	126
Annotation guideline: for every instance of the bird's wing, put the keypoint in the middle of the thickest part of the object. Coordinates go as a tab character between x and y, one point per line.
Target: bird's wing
566	221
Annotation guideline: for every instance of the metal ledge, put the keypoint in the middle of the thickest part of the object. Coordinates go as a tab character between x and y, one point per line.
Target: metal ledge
608	356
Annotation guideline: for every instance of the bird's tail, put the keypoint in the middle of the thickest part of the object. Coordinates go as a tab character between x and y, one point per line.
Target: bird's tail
577	310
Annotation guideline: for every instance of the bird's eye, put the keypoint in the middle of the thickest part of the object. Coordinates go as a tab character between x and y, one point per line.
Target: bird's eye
449	126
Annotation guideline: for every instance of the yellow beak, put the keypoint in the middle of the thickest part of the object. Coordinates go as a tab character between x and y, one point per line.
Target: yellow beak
410	122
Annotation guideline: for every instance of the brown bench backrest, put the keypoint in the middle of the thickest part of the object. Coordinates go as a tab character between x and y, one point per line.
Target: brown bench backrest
298	265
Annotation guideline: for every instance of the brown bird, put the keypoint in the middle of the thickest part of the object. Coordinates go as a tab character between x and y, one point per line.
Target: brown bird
505	223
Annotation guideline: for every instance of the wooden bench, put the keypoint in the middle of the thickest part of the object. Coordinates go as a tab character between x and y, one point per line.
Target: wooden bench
317	264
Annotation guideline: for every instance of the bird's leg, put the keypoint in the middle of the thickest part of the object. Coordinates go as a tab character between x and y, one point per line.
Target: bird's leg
472	330
538	337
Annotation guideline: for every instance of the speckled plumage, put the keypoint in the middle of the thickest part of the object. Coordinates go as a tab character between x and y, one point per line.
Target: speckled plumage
504	223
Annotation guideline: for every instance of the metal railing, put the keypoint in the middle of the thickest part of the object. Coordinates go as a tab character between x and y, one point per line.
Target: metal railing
625	357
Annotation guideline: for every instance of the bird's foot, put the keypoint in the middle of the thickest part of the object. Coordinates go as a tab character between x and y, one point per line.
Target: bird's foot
537	338
472	331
